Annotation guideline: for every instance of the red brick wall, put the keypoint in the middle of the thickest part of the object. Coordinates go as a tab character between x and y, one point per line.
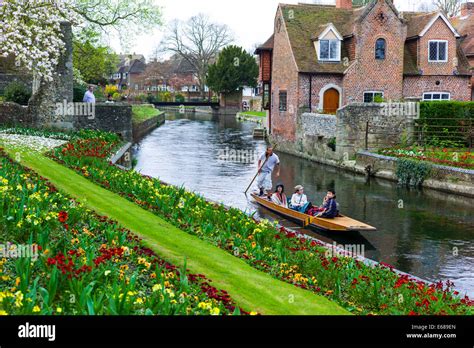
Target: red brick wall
458	86
284	78
412	46
350	43
265	66
438	31
318	83
369	74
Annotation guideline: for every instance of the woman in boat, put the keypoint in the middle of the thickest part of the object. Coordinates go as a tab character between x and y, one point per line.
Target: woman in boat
279	197
330	206
299	201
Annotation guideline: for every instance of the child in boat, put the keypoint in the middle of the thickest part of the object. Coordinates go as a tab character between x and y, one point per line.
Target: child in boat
279	197
299	201
330	206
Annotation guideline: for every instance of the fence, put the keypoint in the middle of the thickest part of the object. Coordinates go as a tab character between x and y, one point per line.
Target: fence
445	132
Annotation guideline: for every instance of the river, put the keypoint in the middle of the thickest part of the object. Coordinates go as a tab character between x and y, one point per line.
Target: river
426	233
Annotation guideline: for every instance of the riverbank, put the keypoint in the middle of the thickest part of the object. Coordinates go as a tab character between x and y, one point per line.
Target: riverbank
442	178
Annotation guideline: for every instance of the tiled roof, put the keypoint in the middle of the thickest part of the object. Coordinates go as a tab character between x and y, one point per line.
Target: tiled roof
307	20
304	22
465	26
267	46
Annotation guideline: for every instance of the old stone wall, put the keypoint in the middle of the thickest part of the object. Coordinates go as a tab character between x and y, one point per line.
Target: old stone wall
142	129
6	79
318	125
12	114
116	118
362	126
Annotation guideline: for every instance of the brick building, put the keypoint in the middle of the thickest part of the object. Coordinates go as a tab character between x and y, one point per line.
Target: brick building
464	24
323	57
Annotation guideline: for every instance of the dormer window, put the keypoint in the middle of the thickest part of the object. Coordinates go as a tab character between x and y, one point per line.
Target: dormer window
438	51
329	50
328	44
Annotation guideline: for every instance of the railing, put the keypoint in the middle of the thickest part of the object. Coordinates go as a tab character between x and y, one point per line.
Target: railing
444	132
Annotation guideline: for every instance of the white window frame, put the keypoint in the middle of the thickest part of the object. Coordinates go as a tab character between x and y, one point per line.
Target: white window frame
338	51
441	96
374	93
437	60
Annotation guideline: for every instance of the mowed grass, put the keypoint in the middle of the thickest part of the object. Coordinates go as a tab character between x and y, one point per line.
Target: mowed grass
253	290
141	113
254	113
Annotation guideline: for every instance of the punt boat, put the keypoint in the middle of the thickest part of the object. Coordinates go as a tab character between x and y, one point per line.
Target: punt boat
339	224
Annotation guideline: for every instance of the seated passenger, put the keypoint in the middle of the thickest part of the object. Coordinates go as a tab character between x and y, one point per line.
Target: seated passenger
299	201
279	196
330	206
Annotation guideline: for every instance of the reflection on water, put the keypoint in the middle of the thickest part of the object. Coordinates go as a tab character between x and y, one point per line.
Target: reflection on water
426	233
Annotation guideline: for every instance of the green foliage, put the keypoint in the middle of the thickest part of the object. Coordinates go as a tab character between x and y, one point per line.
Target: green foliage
234	69
142	113
78	92
94	61
17	92
332	144
412	173
446	123
179	98
379	99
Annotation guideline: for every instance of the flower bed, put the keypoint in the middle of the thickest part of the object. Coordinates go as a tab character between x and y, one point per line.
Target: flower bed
446	157
86	264
290	257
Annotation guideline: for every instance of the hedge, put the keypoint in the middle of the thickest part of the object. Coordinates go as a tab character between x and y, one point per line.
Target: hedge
446	123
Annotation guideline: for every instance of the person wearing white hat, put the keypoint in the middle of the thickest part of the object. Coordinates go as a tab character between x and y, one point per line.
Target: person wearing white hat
299	201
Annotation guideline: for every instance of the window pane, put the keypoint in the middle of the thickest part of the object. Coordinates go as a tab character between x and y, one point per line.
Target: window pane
445	96
436	96
368	97
380	49
334	47
433	50
441	50
427	97
283	101
324	49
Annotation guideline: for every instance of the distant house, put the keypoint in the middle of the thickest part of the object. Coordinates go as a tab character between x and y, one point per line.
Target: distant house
174	75
322	57
464	24
129	73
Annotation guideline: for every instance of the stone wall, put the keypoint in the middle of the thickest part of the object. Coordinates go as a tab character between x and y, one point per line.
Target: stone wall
116	118
140	130
362	126
318	125
6	79
14	115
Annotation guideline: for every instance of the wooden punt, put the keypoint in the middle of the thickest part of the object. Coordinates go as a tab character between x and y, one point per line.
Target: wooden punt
338	224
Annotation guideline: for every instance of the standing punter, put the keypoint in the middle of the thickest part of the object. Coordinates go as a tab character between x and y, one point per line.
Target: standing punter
266	165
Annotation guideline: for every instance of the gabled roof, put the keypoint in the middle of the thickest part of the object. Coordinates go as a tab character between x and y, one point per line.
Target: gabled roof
326	29
267	46
434	19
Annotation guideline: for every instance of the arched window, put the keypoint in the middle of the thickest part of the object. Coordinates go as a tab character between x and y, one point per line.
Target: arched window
380	47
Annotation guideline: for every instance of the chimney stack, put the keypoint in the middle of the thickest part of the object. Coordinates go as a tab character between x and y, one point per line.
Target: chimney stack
467	9
345	4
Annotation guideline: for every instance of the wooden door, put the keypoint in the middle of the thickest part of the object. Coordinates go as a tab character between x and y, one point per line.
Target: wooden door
331	101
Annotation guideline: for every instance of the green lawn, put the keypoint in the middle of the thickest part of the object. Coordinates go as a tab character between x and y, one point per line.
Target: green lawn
141	113
254	113
250	288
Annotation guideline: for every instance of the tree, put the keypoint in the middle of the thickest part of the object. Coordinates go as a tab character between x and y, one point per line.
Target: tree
450	7
95	62
198	41
233	70
357	3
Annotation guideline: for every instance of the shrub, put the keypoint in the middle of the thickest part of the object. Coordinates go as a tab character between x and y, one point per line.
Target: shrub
117	96
179	98
446	123
151	98
111	89
412	173
17	92
78	92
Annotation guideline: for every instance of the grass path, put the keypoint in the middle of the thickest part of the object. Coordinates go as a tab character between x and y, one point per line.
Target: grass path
250	288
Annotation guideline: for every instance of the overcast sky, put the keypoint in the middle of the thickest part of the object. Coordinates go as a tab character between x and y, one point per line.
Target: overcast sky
250	20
